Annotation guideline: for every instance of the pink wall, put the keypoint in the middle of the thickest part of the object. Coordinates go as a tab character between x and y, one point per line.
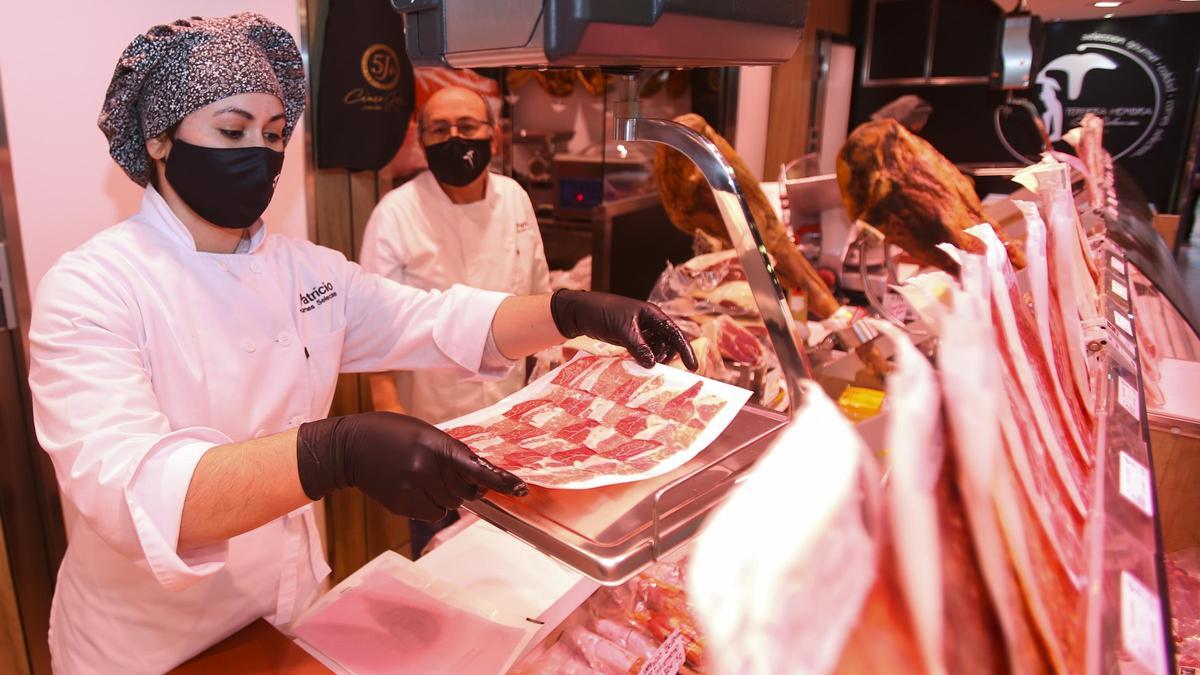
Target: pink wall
56	60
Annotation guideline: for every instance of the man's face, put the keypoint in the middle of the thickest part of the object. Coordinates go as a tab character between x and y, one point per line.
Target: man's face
454	112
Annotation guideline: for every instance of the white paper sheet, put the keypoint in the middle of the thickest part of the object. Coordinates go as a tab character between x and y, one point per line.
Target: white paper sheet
391	617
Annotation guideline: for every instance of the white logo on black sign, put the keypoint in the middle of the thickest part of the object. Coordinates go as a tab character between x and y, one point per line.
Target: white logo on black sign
1113	77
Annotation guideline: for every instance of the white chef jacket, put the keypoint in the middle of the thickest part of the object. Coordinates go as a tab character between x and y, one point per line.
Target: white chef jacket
145	354
418	237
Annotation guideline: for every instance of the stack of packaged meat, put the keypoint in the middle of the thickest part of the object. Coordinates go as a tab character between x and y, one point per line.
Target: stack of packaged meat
712	301
1183	581
972	557
619	630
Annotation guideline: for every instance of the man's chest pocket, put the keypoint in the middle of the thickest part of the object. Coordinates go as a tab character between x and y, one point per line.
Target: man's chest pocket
323	354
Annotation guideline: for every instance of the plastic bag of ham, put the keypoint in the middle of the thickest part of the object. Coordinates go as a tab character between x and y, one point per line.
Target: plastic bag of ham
599	421
1035	597
622	630
772	604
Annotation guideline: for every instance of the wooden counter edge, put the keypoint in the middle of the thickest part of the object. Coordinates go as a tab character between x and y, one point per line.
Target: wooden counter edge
258	648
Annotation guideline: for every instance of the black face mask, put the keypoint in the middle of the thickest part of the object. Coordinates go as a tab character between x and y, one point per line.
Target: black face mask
457	161
230	187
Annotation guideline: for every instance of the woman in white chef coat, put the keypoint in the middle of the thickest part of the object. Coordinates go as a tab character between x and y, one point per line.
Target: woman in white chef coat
184	360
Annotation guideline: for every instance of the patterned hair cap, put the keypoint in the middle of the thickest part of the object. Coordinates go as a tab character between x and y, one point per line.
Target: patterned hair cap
173	70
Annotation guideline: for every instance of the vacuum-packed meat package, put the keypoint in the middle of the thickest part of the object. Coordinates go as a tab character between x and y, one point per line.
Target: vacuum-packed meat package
771	604
1014	549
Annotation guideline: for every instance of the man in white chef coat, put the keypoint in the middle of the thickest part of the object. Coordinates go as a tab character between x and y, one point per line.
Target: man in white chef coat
184	360
456	223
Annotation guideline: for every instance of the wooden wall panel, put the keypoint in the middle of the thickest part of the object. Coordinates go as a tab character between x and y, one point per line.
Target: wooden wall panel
12	641
1176	475
792	83
358	528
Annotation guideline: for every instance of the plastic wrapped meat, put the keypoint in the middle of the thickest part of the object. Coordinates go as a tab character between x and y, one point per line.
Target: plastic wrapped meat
972	405
769	604
1025	366
953	617
619	629
1052	336
691	206
734	342
915	457
714	269
1000	511
1183	579
732	297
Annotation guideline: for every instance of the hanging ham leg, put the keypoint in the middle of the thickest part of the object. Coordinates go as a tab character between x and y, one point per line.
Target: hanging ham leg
689	202
895	181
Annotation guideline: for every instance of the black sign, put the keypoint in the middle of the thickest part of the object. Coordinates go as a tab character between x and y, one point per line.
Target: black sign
366	88
1136	73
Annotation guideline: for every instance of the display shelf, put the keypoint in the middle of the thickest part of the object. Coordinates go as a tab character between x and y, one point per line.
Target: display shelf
1128	615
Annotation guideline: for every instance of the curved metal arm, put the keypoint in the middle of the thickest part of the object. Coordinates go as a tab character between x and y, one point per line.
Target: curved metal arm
768	294
866	235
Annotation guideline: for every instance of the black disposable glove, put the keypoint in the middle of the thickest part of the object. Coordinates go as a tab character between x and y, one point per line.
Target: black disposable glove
411	467
638	326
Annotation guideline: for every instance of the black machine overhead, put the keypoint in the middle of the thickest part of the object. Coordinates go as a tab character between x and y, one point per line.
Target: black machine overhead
576	33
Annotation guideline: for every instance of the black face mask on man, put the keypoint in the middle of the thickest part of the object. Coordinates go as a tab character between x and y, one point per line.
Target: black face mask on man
457	161
230	187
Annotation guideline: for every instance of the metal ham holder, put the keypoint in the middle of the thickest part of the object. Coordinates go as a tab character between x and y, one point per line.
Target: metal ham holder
612	533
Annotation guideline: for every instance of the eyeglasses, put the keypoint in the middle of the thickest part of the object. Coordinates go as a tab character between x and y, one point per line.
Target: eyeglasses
468	127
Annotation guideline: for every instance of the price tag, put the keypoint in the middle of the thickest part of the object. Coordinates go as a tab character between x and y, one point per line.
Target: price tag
1127	396
667	659
1120	290
1135	484
1141	624
1122	322
1117	264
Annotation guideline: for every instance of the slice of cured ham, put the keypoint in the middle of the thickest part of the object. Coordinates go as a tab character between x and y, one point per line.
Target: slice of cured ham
734	342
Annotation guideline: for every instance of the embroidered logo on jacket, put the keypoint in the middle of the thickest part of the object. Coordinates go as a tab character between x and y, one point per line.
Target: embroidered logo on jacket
317	297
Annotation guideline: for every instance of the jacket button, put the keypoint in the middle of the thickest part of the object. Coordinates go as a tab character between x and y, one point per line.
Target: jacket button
284	339
248	345
297	420
260	433
256	267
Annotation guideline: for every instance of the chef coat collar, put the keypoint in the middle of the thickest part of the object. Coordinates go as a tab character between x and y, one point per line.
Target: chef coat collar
430	184
159	213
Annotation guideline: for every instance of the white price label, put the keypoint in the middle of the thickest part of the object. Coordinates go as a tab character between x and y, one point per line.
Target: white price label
1116	263
1122	322
1127	396
667	659
1141	624
1120	290
1135	484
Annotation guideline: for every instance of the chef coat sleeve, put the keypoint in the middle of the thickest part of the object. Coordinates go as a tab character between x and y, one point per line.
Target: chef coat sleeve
390	326
381	252
539	280
118	461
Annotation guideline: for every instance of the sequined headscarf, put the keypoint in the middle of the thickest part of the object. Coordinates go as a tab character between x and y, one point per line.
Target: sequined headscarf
173	70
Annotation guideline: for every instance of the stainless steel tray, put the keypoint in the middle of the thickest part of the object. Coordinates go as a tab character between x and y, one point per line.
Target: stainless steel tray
612	533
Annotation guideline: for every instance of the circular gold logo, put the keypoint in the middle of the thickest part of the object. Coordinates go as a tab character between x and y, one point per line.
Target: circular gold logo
381	67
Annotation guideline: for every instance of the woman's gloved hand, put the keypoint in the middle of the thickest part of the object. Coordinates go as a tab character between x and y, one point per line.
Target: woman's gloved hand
411	467
638	326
